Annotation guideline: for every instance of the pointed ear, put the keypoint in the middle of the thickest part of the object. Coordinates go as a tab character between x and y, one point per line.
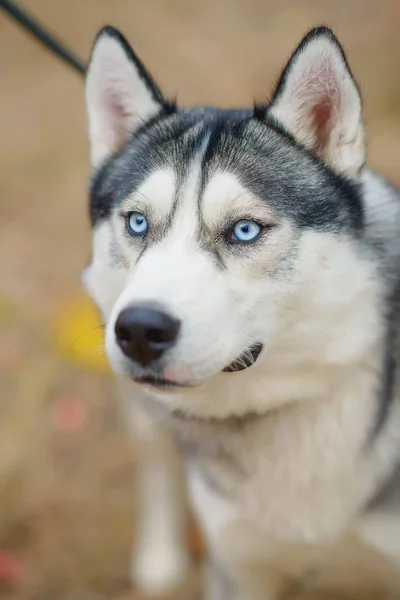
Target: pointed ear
318	102
120	95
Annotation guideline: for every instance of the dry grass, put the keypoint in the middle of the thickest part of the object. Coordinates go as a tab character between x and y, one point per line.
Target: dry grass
67	495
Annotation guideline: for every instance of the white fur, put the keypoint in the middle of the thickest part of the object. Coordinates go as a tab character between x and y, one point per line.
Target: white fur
179	275
118	100
159	558
320	364
104	281
319	350
157	194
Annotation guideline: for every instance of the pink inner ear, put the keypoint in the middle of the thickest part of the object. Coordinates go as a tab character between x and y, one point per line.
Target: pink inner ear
120	112
321	115
324	80
117	109
118	120
111	92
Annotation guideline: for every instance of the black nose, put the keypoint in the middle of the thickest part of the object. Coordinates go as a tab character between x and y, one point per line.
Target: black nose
144	333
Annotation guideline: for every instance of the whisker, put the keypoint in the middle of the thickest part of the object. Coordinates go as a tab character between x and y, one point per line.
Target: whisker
249	356
100	350
241	362
69	347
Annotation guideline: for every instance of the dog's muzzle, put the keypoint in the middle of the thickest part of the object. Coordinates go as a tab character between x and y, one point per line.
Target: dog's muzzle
145	333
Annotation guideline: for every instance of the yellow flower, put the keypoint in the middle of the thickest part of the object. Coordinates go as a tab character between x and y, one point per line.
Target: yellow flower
79	334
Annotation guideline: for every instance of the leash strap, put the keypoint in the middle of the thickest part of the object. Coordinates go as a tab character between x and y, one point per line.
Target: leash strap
43	36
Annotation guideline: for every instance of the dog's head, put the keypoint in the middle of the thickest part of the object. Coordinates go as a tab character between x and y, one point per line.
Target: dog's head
224	238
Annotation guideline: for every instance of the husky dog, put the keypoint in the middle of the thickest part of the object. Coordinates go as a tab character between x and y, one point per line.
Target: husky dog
246	264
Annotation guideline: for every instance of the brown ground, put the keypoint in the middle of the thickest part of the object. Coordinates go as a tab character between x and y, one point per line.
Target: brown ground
67	497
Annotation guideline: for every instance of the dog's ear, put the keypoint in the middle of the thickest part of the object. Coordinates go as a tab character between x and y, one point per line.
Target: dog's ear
120	95
318	102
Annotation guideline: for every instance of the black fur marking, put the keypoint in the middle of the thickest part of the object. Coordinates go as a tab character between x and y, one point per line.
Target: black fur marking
251	145
389	369
270	164
100	196
259	112
388	497
264	158
386	394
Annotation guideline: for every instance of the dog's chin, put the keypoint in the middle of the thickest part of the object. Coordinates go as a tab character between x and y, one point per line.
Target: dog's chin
155	382
242	362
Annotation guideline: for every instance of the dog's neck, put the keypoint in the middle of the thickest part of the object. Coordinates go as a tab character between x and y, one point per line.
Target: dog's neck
304	390
341	418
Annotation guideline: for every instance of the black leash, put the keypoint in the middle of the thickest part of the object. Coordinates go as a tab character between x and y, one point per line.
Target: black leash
40	33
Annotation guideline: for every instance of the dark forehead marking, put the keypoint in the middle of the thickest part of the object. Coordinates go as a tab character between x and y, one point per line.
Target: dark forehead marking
272	166
216	131
168	142
184	163
157	146
264	158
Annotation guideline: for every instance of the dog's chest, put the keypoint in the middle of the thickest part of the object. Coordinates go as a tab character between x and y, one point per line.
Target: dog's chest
259	498
298	477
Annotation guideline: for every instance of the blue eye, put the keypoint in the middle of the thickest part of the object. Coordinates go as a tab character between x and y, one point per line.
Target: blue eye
245	231
137	224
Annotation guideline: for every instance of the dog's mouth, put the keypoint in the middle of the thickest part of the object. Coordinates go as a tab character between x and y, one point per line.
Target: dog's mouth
159	382
245	360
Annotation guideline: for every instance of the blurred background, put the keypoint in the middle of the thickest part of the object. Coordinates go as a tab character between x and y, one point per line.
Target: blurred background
67	470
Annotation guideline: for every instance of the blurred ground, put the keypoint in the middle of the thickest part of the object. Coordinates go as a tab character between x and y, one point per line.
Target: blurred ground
67	473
